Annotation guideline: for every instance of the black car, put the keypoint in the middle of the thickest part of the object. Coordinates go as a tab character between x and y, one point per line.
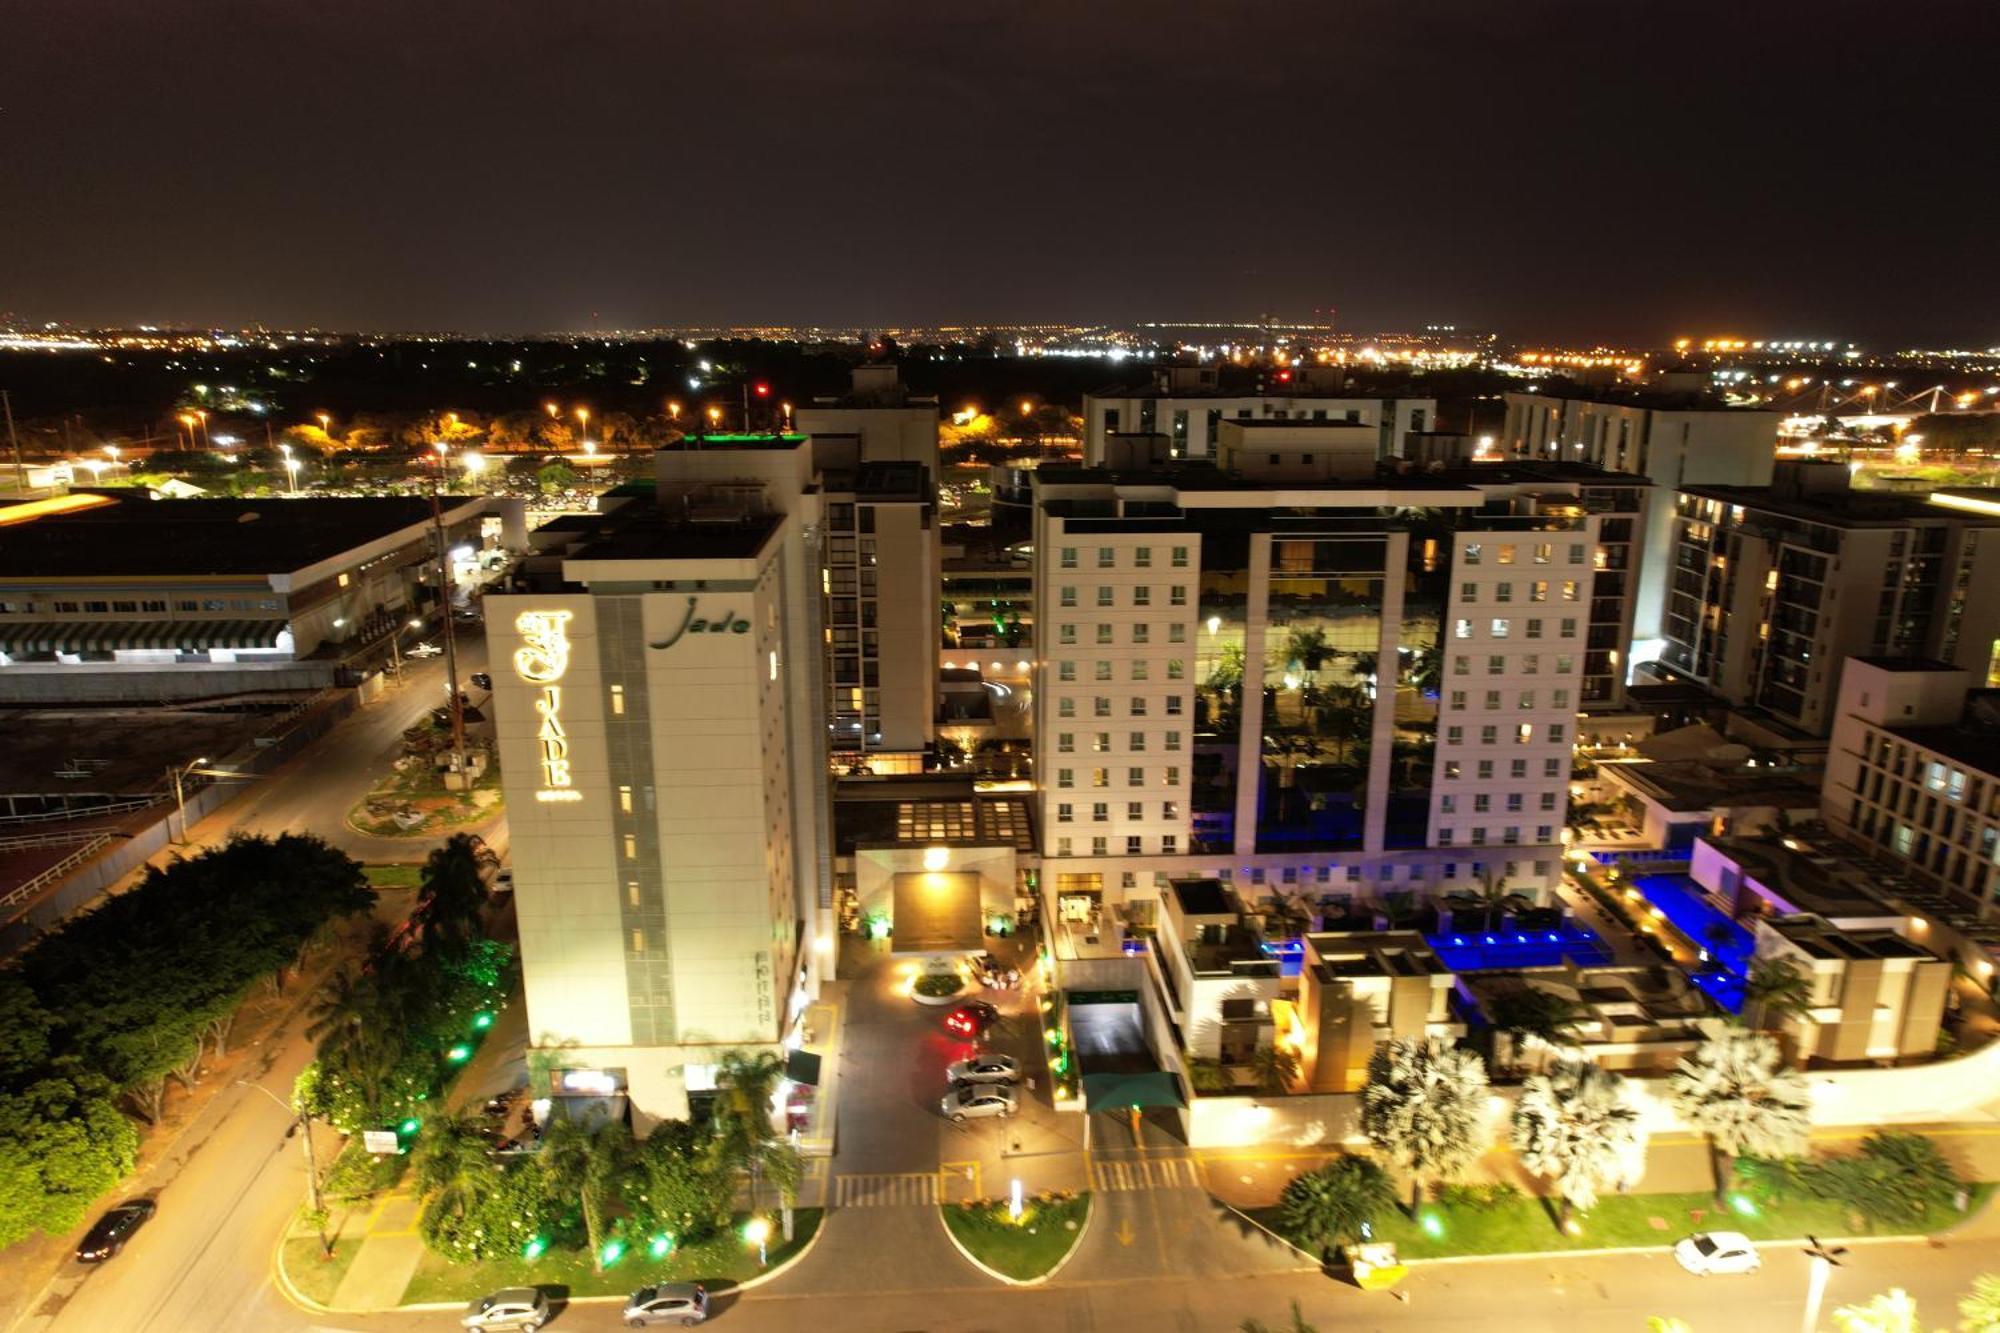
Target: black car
481	681
971	1019
113	1230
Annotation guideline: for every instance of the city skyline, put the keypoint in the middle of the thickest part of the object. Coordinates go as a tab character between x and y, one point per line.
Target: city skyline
507	170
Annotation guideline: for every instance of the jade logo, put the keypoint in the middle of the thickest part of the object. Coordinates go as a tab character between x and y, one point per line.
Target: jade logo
726	623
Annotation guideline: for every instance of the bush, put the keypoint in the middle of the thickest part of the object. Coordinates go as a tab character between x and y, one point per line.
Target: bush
1478	1198
937	985
357	1174
1895	1178
511	1209
682	1188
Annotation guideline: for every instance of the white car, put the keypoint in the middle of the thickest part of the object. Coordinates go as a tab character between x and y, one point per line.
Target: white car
1707	1253
984	1069
981	1099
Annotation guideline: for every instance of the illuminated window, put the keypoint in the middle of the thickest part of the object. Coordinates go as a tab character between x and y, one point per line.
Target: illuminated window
625	799
618	701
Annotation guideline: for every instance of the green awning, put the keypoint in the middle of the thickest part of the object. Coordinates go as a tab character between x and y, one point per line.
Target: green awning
1121	1092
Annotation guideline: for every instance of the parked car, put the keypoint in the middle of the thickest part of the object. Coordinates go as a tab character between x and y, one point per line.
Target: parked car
523	1308
503	882
113	1229
981	1099
682	1303
481	681
984	1069
1707	1253
994	974
971	1019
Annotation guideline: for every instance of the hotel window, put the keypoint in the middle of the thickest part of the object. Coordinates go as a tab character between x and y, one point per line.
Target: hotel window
1173	705
1444	837
1538	591
1176	668
1101	670
1548	800
1138	745
1551	768
1503	592
1170	844
1569	629
1133	846
1141	633
1104	635
1172	777
1485	770
1517	768
1479	835
1524	734
1564	664
1177	633
1576	555
1468	592
1142	556
1471	553
1104	594
1100	812
1177	595
1180	557
1065	671
638	941
1135	777
1511	834
1461	665
1454	735
1135	811
631	847
1173	740
1513	803
1100	706
1461	629
1068	597
1170	810
632	892
1065	777
1543	833
1066	634
625	799
1100	741
1569	590
1137	708
1543	552
1492	698
1530	663
1100	777
1556	731
1065	708
1457	700
1502	627
1139	670
1527	699
1504	554
1448	804
1496	665
1481	803
1106	557
1065	813
1065	742
1559	699
1142	596
1452	768
1489	735
1069	557
1534	628
1062	847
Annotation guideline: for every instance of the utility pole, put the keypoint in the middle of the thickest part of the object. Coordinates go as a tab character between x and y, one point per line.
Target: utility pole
20	468
450	636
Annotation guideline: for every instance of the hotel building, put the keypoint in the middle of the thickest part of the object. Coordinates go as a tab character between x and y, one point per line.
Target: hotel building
1188	404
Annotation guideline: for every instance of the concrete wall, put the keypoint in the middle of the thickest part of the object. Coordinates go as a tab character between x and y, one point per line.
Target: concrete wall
145	683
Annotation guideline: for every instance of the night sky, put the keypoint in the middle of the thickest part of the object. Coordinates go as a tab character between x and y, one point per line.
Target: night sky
1624	171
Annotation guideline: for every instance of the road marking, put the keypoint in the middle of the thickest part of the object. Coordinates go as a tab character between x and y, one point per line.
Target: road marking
1145	1173
886	1190
1125	1233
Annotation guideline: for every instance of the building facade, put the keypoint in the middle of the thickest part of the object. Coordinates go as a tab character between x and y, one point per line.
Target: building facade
1188	404
1774	587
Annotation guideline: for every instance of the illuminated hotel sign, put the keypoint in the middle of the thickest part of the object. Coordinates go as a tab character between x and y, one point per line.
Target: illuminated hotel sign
726	623
541	660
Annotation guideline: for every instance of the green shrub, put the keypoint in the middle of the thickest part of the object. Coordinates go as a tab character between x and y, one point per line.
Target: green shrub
937	985
1477	1197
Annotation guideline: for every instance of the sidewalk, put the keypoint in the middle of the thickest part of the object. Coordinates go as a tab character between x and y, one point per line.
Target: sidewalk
388	1258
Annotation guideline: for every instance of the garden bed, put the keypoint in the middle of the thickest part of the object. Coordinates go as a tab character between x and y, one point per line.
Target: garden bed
315	1275
1525	1224
938	988
721	1260
1026	1250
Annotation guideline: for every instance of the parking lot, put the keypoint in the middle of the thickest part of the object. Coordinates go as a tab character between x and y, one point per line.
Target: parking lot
894	1055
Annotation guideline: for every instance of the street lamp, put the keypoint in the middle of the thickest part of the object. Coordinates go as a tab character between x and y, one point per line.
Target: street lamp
475	463
325	424
758	1232
1822	1260
714	417
291	467
552	409
583	422
300	1121
187	419
112	450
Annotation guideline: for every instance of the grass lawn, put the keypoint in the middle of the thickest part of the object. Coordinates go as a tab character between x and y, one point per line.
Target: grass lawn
394	876
421	788
318	1278
1526	1224
719	1262
1046	1232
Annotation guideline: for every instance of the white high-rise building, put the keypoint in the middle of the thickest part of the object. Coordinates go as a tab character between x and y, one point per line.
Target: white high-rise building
1187	405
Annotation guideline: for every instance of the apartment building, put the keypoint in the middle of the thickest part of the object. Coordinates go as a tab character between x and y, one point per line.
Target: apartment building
1367	684
657	686
1188	405
1673	440
1914	773
889	423
1773	587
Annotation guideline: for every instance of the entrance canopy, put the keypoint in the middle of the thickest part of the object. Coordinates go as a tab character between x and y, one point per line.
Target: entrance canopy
1124	1092
937	912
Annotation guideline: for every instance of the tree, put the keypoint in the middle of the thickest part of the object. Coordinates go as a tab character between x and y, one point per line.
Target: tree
1776	989
1892	1312
1425	1107
1531	1015
746	1140
452	1165
357	1037
589	1166
1330	1206
1734	1092
1576	1125
682	1189
453	897
1276	1067
63	1142
1979	1309
556	476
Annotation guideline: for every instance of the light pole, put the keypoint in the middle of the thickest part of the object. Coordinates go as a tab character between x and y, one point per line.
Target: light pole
326	424
396	646
175	774
1821	1260
758	1233
445	610
300	1121
583	424
291	467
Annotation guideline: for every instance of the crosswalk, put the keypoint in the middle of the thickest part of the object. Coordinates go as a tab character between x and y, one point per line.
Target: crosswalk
886	1190
1145	1173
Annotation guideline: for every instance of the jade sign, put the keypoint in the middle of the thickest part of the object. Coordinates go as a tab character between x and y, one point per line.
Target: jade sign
726	623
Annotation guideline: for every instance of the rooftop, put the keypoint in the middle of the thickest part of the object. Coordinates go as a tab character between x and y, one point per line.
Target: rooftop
1658	400
1810	883
696	443
1816	937
1908	664
1839	509
652	536
1203	897
142	538
927	811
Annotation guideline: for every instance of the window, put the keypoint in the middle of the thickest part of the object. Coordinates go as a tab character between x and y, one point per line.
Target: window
1101	670
1548	802
1468	592
1534	628
1140	669
179	606
1137	708
1503	592
1576	555
1097	846
1457	699
1170	844
1065	777
1173	740
1530	663
1448	804
1543	833
1062	847
1556	732
1538	591
1479	835
1104	593
1502	627
1065	742
1551	768
1454	735
1170	809
1485	770
1559	699
1527	699
1100	742
1171	776
1569	628
1173	705
1135	811
1444	837
1100	812
631	845
1504	554
1470	555
1517	768
1177	633
1492	698
1065	813
1066	634
1564	664
1065	671
1138	745
1489	735
1142	556
1068	597
1461	629
1481	803
1513	803
1180	557
1543	552
1177	595
1068	557
1133	845
1141	633
1524	734
1106	557
1496	665
1569	590
1065	708
618	700
1135	777
1142	596
625	799
1104	634
1452	768
1100	777
1100	706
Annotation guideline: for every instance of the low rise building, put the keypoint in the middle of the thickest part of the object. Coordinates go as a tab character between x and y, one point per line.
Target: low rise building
1189	404
1876	994
1358	989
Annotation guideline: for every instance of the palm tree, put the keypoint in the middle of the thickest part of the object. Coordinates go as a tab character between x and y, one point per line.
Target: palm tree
1425	1107
1776	989
1330	1206
355	1033
451	1163
1894	1311
1979	1309
454	894
1290	914
1275	1066
745	1138
1735	1092
1577	1125
588	1166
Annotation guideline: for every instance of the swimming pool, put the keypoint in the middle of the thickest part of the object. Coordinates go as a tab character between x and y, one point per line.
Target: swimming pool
1728	944
1496	950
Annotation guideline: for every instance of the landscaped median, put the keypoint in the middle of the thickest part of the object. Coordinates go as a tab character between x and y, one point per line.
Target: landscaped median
1489	1220
1019	1250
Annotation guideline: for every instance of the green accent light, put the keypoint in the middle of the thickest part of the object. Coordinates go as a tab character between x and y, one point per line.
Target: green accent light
481	1021
459	1054
613	1251
410	1126
1743	1204
1433	1226
661	1247
534	1248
